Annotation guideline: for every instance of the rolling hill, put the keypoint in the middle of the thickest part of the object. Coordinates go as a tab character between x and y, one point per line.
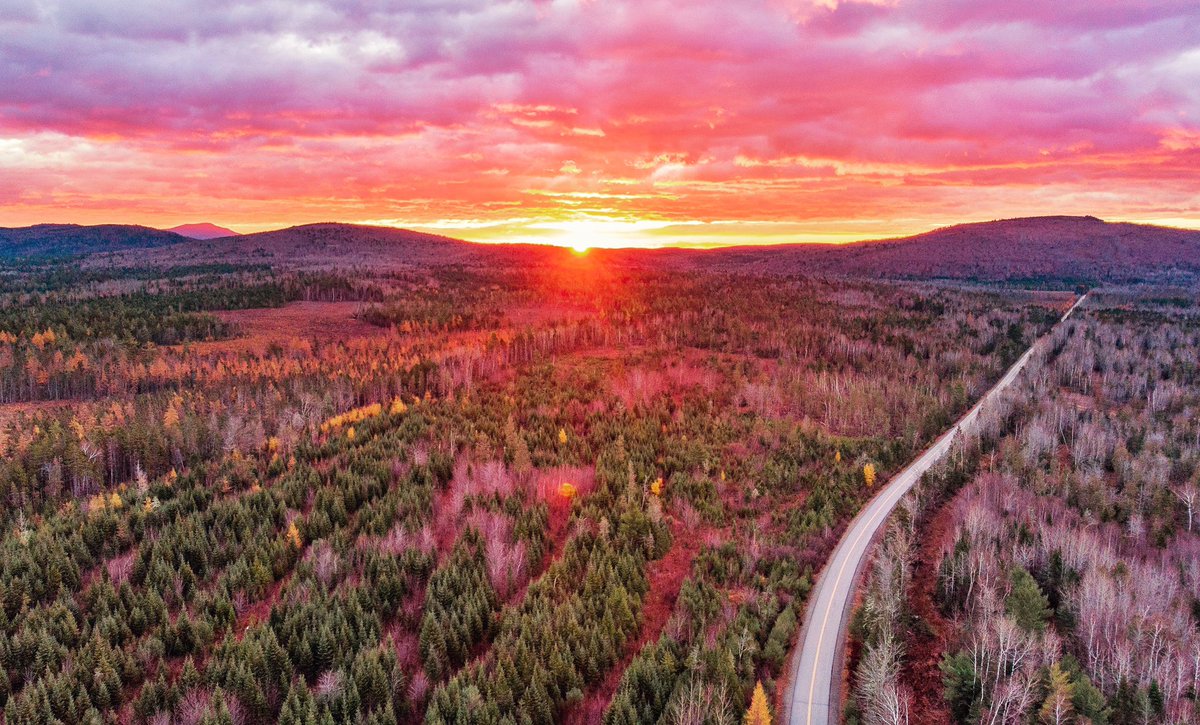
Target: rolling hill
48	241
347	245
1032	249
1059	250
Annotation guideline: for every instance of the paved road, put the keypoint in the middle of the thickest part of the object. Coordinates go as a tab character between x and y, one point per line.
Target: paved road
814	697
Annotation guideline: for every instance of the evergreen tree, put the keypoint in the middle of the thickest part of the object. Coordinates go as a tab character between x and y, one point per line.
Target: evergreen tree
433	648
218	711
781	636
1026	604
1156	700
300	708
189	676
962	685
1130	705
183	637
537	703
1088	701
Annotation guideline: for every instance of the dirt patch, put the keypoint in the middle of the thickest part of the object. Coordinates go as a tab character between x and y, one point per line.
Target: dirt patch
541	314
262	327
260	611
10	412
927	640
1076	400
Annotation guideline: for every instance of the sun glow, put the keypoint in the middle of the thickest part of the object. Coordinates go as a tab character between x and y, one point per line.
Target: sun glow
599	232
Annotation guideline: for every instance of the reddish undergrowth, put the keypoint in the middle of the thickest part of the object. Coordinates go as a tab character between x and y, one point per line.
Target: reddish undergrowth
924	644
260	610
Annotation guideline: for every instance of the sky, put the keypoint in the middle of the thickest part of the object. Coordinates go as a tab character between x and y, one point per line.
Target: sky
600	122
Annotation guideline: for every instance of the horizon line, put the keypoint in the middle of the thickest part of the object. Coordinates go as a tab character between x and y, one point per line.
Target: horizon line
644	238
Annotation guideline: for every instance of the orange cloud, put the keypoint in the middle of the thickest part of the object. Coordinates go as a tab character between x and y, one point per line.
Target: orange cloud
650	123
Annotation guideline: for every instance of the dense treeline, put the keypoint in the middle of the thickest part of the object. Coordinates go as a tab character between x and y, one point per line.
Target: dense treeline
484	526
77	280
1068	577
1106	467
161	317
885	617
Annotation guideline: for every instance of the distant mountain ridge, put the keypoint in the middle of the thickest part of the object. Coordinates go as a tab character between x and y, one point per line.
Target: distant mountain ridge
1033	250
327	243
43	241
203	231
1030	248
1062	249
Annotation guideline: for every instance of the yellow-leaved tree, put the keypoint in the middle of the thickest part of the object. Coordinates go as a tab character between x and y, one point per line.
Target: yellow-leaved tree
293	536
171	417
869	475
1057	707
759	712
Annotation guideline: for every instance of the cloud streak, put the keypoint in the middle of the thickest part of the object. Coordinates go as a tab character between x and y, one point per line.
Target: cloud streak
817	115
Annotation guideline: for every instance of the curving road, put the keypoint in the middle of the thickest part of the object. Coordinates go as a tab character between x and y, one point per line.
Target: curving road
813	697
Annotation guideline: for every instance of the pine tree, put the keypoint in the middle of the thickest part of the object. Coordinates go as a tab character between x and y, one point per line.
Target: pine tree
433	648
537	703
60	695
962	686
1088	701
1158	705
758	713
189	676
371	679
325	648
621	711
522	461
218	712
1026	604
292	712
1129	704
502	694
183	636
780	637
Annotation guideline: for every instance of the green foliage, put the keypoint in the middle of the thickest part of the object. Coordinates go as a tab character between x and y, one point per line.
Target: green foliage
780	640
189	514
1026	603
962	688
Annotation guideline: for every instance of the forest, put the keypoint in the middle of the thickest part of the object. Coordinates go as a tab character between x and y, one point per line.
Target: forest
567	493
1050	574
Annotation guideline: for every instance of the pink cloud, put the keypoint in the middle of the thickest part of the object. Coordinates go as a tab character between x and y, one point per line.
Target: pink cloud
274	111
